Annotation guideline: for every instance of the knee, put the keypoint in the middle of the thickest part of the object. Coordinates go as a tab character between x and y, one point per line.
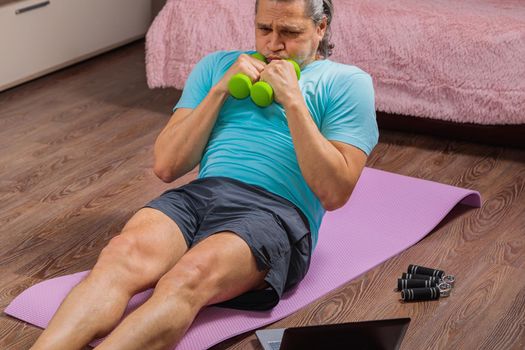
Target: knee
190	280
119	250
119	258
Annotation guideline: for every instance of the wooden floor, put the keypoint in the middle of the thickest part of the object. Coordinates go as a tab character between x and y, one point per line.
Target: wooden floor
75	163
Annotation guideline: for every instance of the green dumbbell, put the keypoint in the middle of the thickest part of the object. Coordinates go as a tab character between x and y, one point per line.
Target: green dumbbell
262	93
240	86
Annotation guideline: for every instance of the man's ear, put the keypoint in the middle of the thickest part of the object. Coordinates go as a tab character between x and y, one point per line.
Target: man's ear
321	27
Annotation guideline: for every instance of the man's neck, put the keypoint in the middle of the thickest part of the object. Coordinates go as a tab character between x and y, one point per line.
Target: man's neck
313	59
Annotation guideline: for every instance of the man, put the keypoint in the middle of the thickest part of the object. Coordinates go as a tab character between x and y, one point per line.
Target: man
242	233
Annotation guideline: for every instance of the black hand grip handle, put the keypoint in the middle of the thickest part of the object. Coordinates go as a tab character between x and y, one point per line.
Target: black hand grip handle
420	294
421	270
32	7
406	284
409	276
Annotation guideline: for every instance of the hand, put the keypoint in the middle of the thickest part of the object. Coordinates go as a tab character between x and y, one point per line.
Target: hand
280	74
245	64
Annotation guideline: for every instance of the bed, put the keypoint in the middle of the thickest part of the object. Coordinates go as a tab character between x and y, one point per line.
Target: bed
442	60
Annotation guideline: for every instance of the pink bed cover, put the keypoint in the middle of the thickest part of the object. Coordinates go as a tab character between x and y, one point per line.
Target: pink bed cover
461	61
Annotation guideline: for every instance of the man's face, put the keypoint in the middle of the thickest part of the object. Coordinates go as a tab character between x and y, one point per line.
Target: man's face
283	31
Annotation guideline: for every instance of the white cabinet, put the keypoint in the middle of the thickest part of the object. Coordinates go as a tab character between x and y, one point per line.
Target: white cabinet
57	33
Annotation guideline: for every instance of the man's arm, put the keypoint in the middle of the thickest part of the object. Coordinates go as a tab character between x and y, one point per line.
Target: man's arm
330	168
180	145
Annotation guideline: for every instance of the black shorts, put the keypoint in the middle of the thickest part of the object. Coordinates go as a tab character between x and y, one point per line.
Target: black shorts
276	231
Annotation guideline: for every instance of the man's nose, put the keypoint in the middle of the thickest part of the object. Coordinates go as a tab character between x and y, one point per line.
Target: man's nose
276	43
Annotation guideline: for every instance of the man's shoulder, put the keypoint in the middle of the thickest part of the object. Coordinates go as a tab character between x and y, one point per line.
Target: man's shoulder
343	69
341	80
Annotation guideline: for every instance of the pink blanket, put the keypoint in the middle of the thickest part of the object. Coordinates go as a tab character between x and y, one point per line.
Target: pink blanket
461	61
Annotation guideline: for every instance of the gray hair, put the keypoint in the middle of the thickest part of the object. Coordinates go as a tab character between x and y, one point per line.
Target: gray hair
317	10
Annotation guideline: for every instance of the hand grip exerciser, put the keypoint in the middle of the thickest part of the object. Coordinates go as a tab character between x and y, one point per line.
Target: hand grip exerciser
261	93
420	294
423	283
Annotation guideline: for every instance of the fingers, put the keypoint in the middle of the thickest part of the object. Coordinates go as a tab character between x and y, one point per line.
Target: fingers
276	70
281	66
250	66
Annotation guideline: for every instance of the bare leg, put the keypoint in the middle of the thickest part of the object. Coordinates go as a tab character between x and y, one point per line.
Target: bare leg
217	269
149	245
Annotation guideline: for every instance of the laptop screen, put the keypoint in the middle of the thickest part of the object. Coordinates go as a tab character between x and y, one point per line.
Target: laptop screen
369	335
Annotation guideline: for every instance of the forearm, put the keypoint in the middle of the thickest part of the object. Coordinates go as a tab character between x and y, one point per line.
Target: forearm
179	147
324	168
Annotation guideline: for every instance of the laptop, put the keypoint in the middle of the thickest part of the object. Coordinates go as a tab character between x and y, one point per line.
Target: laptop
366	335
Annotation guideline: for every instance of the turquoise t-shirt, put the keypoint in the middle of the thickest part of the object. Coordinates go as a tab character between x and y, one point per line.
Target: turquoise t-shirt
254	145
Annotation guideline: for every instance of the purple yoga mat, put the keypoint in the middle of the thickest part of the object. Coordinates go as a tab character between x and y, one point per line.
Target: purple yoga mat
387	214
